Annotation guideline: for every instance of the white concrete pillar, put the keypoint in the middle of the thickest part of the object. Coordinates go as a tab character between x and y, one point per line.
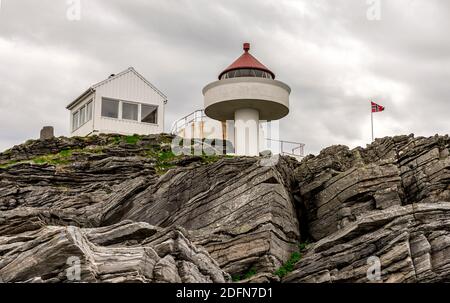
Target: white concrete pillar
246	122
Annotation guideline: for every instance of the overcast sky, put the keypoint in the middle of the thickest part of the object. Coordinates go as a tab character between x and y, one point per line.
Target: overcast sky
335	55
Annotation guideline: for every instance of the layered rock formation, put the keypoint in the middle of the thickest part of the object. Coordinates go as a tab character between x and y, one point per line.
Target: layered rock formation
390	201
239	211
123	252
115	209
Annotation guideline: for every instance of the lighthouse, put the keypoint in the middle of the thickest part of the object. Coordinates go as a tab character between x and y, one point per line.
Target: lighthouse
246	92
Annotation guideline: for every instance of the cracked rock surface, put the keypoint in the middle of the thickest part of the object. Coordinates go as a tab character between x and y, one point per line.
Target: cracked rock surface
390	201
111	208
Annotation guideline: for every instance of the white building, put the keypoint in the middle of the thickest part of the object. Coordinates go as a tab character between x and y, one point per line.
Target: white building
125	104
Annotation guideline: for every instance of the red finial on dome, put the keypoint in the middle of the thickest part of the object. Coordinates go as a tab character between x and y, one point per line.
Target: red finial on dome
247	61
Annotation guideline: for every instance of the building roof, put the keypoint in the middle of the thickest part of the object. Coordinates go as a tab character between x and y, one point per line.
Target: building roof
247	61
111	78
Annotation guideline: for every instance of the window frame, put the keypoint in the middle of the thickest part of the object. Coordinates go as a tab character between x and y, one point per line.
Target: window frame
123	102
75	120
139	105
246	72
88	116
89	110
82	111
156	116
118	108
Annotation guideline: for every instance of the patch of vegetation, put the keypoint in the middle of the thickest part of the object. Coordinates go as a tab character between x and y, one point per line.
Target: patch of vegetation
65	153
132	139
290	264
164	138
247	275
61	158
164	161
303	246
116	139
165	156
250	273
93	150
214	158
64	157
8	164
210	159
51	159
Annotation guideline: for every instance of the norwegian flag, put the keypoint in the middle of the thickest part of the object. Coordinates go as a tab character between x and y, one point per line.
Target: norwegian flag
376	107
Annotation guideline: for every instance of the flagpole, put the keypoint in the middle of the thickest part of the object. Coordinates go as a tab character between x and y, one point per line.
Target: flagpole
371	120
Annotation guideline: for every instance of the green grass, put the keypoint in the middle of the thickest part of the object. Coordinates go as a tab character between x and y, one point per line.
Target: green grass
61	158
132	139
116	139
51	159
163	161
8	164
65	153
209	159
303	246
289	265
165	156
250	273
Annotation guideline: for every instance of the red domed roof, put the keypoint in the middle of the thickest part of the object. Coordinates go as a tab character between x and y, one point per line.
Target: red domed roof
247	61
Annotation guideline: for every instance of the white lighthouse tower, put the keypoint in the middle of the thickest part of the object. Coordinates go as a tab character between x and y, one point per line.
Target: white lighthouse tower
246	92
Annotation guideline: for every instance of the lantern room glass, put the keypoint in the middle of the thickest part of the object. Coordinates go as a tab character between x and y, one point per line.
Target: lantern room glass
246	72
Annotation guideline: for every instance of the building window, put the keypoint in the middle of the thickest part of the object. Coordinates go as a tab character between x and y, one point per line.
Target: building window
89	111
246	72
82	115
149	113
130	111
75	120
110	108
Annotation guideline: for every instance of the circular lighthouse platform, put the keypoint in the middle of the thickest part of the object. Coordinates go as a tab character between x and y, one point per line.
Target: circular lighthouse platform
224	97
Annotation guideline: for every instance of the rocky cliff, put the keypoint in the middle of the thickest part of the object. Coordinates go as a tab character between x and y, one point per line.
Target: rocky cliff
116	208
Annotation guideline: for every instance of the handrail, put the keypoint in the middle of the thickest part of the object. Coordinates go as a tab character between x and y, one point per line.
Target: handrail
176	127
297	150
284	141
299	146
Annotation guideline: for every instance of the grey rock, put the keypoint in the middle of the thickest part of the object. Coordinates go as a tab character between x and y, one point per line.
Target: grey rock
126	211
47	132
104	256
390	200
265	153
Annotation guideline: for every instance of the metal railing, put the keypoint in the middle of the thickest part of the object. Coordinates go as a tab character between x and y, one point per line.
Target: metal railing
184	122
295	149
290	148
